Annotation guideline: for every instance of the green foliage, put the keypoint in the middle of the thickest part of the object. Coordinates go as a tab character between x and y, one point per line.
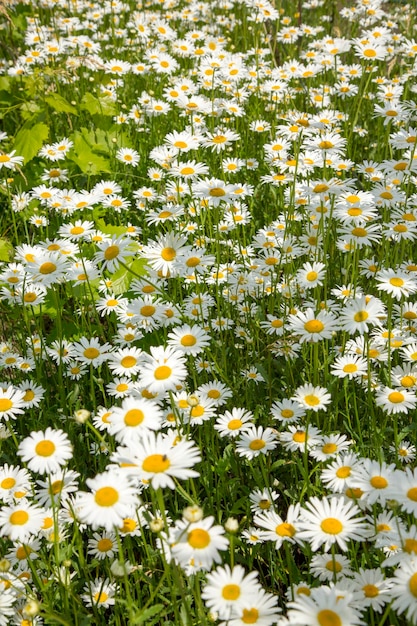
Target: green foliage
30	139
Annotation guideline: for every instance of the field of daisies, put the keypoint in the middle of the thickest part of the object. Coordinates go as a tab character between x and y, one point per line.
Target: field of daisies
208	313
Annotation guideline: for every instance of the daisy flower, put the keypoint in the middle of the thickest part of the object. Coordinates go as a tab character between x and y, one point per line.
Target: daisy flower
128	156
14	482
166	253
11	402
112	252
109	502
20	521
191	340
324	606
311	327
136	416
406	451
360	314
394	401
329	521
163	369
199	542
102	545
377	482
311	397
396	283
369	588
157	458
262	500
219	139
233	423
100	593
11	160
350	366
300	438
228	590
47	268
261	609
216	391
276	528
330	567
403	592
406	490
255	441
287	411
90	351
330	446
45	451
126	361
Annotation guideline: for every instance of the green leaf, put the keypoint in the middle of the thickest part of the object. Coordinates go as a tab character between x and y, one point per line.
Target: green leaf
86	158
143	616
4	83
109	229
60	104
122	278
6	249
98	106
30	139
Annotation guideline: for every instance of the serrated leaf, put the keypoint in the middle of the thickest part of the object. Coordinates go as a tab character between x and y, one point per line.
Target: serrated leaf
121	279
60	104
29	140
143	616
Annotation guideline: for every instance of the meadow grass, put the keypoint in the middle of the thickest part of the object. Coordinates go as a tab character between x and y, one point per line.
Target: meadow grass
208	337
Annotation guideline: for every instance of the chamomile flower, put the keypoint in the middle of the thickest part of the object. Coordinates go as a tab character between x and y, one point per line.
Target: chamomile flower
90	351
278	529
12	402
377	481
403	590
397	400
103	545
112	252
200	542
15	482
227	590
20	521
46	451
125	361
163	369
321	607
255	441
233	423
216	391
109	500
310	326
100	593
330	446
331	521
157	459
287	411
311	397
128	156
191	340
135	417
330	567
350	366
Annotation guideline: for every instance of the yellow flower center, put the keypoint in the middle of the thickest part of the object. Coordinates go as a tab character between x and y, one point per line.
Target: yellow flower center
104	545
396	282
47	268
4	158
234	424
219	139
181	145
100	597
214	394
370	591
331	526
198	538
162	372
168	254
45	448
232	592
217	192
56	487
111	252
410	546
76	230
326	617
257	444
412	494
361	316
134	417
379	482
156	463
128	361
5	404
8	483
197	411
359	232
314	326
250	616
285	530
91	353
106	496
188	341
19	518
396	397
334	566
329	448
311	276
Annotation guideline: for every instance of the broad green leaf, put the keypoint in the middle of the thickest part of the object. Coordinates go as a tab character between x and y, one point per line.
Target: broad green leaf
4	83
121	279
60	104
30	139
110	229
6	249
86	158
98	106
